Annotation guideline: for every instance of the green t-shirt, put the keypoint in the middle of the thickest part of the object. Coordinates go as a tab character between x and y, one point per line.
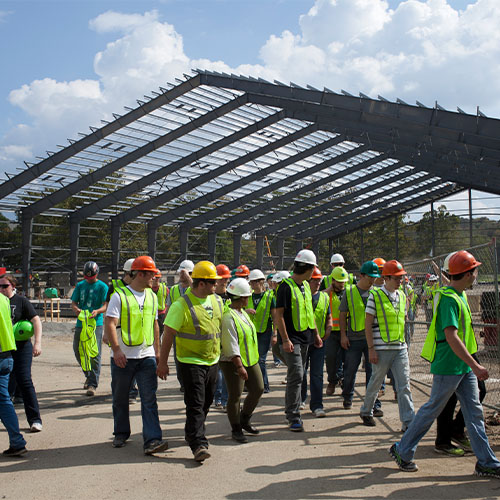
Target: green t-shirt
446	362
178	315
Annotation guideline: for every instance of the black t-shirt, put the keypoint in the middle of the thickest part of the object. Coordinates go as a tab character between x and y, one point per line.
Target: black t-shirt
21	309
284	299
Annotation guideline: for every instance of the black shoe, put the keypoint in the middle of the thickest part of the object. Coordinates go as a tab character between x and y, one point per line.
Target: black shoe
368	420
119	442
347	404
15	452
377	412
238	435
247	426
487	471
402	464
155	447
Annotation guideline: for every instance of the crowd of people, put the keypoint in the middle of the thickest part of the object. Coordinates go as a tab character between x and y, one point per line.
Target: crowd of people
219	326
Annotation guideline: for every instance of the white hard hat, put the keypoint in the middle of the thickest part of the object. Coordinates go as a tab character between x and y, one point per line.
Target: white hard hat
280	276
256	274
337	258
446	264
188	265
239	287
306	257
433	277
127	267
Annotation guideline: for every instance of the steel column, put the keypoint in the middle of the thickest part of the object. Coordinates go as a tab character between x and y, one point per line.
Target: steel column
281	252
74	242
116	229
183	244
152	233
433	235
236	249
396	235
470	218
298	245
362	245
26	246
212	245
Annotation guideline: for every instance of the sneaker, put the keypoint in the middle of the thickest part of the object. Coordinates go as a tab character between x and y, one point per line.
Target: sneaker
218	404
201	454
381	393
119	442
463	442
330	389
36	427
156	446
405	466
296	426
368	420
302	406
15	452
378	412
347	404
449	449
485	471
17	400
90	391
85	386
267	390
132	399
319	413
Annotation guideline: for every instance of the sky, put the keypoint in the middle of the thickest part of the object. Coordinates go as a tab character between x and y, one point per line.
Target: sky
66	64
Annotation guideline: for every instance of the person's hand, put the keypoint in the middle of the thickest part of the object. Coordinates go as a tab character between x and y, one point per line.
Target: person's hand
318	342
242	373
287	345
93	314
481	372
274	340
105	338
250	311
120	358
37	349
372	356
344	342
162	370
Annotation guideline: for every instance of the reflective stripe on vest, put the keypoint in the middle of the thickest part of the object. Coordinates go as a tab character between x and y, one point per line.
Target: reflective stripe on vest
334	307
465	331
262	311
87	343
137	325
321	312
7	340
302	310
247	338
356	308
162	295
393	326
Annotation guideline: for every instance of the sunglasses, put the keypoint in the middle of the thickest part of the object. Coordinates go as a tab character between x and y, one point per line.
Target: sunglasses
5	286
211	282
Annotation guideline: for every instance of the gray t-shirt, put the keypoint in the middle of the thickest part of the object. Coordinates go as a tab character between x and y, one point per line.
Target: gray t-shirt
353	334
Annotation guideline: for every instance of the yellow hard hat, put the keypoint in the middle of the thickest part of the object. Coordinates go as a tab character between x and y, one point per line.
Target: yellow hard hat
205	270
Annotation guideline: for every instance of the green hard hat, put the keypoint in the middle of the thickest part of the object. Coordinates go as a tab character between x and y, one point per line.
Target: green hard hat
340	274
370	268
23	330
269	276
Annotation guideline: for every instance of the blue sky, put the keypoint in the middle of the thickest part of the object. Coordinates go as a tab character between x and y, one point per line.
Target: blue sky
52	87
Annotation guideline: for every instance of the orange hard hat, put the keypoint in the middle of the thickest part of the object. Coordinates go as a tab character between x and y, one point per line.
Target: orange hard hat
144	263
393	268
316	275
223	271
461	262
158	274
380	262
242	270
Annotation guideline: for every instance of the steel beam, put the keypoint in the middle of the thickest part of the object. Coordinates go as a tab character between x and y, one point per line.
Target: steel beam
183	244
74	243
281	252
259	247
26	246
212	245
152	235
236	249
115	249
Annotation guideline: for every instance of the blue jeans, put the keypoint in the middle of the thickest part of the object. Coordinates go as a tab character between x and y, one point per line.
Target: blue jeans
221	394
295	362
397	361
357	349
264	342
334	357
314	362
7	413
95	363
144	371
443	387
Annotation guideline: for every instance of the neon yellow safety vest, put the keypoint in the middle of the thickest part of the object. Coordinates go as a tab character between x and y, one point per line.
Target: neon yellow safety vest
87	345
465	331
175	292
162	295
390	321
199	341
335	306
262	311
356	308
118	284
137	326
247	338
7	340
302	310
321	312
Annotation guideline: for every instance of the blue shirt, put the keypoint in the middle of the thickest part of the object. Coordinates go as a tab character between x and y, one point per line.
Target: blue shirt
90	296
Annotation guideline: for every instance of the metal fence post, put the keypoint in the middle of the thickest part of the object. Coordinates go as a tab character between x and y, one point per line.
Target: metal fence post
495	277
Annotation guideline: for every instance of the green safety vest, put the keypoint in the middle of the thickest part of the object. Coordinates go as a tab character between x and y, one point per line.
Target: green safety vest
334	307
175	292
262	311
321	312
137	326
302	310
430	291
87	345
465	331
247	338
7	340
162	295
390	321
118	284
199	341
356	308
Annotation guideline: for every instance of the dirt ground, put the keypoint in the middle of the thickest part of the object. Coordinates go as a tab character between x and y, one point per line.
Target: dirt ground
336	457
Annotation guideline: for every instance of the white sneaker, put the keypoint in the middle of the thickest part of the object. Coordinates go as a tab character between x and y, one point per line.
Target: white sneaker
319	413
36	427
302	406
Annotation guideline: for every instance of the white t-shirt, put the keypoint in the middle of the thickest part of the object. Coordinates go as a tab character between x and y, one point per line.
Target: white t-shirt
114	311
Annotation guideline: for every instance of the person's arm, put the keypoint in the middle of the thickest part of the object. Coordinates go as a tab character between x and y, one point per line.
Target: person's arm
458	347
118	355
75	308
162	369
101	310
240	369
156	343
280	325
372	353
328	326
37	329
318	341
344	341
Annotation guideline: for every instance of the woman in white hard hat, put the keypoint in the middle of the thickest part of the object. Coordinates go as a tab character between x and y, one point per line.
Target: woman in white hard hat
239	360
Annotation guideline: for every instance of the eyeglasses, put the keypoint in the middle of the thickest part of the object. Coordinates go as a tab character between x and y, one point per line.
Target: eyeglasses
211	282
5	285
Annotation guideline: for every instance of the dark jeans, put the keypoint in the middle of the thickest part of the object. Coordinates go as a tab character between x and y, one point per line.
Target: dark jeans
20	379
220	395
314	363
334	358
199	389
264	342
92	376
144	372
357	348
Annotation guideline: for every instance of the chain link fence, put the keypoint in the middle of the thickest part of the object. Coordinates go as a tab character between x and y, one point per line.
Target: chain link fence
484	304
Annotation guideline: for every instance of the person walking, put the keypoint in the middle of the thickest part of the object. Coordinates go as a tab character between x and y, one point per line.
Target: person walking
162	292
195	322
90	295
239	360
